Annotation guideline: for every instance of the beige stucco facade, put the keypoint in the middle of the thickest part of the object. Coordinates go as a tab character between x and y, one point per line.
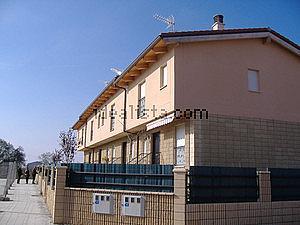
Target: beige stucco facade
209	75
160	98
213	75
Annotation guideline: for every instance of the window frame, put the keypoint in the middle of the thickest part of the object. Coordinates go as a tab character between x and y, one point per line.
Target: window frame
141	110
112	117
82	134
92	130
163	75
113	152
102	118
257	73
145	147
99	120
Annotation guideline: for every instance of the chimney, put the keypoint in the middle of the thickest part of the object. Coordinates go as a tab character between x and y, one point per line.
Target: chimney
218	23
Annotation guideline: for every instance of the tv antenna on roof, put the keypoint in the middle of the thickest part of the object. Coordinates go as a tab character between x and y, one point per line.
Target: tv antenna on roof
105	82
117	71
170	21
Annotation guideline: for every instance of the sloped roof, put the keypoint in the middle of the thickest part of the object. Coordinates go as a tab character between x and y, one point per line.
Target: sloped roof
227	31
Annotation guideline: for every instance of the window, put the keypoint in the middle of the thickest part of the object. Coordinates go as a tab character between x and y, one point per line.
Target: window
180	145
99	155
132	149
163	76
113	152
141	101
253	80
99	119
92	130
112	118
82	133
108	154
90	157
102	118
145	147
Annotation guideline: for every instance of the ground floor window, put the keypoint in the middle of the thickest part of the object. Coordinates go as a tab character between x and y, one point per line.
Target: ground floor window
180	145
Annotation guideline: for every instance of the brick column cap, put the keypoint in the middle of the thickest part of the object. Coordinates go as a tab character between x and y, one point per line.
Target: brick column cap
179	169
61	167
263	172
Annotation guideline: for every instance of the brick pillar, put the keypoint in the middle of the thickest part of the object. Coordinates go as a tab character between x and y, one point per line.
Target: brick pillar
40	178
59	193
45	181
179	195
264	186
52	178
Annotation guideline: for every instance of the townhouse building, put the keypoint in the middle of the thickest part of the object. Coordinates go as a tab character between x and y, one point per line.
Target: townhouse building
220	97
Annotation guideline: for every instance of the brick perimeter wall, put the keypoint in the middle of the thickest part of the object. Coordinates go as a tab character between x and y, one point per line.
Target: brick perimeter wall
254	213
78	203
50	199
246	142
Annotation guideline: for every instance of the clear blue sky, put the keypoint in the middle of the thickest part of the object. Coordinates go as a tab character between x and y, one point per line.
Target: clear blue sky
54	55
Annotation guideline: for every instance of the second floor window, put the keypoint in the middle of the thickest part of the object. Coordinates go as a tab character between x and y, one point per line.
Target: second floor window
82	133
163	76
253	80
92	130
99	119
102	118
141	101
112	117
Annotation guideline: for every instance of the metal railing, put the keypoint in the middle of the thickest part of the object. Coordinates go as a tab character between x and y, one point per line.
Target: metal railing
8	176
285	184
139	177
115	159
143	155
207	184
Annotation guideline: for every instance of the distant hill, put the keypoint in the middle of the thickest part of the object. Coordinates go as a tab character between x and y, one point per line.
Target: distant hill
33	164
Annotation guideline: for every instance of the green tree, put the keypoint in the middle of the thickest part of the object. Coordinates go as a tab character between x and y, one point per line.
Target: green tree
46	157
9	153
68	145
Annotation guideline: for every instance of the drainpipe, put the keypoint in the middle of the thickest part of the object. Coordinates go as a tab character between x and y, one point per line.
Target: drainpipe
125	117
125	109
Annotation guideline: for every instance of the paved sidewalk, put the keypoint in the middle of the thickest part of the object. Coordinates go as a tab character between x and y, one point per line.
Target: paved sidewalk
26	206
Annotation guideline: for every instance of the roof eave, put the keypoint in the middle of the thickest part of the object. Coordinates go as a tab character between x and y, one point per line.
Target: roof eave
217	36
140	56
